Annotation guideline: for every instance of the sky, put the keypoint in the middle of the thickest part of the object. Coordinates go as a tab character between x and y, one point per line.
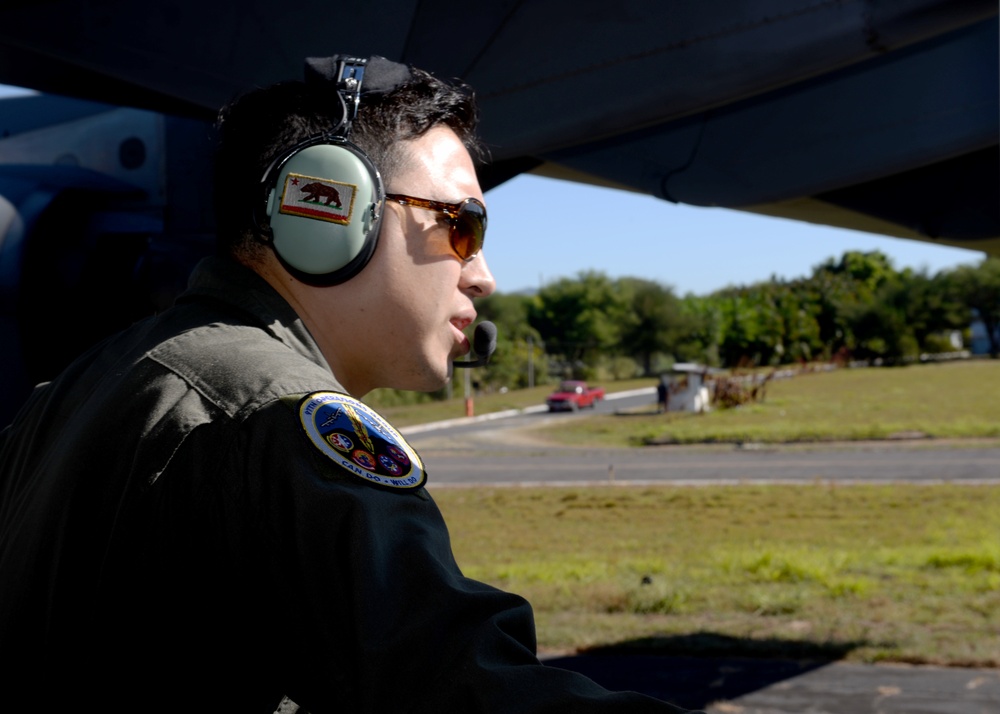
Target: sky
541	230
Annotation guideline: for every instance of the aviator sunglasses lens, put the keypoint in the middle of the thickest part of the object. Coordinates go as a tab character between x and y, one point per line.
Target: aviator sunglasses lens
467	224
469	229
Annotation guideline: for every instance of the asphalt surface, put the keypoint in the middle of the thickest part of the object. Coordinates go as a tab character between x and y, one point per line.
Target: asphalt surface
853	463
760	686
501	451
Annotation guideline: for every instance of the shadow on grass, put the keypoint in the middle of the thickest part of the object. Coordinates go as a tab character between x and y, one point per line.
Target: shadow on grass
713	644
695	670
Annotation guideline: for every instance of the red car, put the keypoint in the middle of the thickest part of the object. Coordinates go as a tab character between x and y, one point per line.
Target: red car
572	395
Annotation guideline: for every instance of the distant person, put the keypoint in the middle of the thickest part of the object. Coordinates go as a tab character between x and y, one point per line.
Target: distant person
199	515
662	394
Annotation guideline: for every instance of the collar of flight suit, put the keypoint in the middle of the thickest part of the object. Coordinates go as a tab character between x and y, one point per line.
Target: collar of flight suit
223	280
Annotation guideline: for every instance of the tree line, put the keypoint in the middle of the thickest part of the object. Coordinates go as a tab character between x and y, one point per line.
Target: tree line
857	307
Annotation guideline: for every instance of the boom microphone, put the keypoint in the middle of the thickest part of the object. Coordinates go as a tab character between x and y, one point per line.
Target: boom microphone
484	343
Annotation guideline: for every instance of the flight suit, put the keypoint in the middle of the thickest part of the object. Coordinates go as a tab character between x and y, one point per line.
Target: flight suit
194	516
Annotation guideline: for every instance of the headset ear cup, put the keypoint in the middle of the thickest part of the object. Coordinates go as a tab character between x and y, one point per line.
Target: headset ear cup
324	209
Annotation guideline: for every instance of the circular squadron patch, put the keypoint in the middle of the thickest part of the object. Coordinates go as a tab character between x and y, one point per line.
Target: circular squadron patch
357	439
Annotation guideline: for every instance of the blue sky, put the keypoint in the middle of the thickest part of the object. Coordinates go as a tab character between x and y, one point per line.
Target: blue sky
543	229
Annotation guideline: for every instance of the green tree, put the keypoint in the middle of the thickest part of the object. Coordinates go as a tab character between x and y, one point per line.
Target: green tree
519	349
700	335
580	321
845	293
752	328
881	331
829	296
801	333
929	305
654	321
869	270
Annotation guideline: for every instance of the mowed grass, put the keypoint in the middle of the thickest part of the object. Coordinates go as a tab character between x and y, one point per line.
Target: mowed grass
949	400
902	573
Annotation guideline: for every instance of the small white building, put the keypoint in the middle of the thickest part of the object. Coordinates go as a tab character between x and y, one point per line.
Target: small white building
686	389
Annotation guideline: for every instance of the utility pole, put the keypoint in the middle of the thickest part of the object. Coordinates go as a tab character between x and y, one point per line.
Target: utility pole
469	410
531	362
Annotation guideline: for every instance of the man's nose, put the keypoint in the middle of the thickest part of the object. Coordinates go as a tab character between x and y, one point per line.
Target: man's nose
477	280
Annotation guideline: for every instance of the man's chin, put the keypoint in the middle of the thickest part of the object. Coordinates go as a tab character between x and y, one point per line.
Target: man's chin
430	379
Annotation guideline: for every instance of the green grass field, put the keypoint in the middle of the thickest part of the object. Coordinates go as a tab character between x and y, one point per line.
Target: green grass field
896	573
900	573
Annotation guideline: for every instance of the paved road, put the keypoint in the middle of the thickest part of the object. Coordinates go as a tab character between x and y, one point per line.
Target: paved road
501	456
502	449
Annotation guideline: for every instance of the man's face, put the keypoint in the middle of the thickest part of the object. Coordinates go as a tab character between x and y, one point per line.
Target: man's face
399	322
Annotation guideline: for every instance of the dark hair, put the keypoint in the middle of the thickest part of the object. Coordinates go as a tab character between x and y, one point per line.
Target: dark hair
263	123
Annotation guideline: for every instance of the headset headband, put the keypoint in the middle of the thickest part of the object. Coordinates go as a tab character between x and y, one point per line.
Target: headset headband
351	73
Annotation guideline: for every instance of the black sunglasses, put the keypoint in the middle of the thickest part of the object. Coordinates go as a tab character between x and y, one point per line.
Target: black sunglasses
467	220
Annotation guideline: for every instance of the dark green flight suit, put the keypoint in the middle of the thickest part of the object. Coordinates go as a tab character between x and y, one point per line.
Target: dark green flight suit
193	519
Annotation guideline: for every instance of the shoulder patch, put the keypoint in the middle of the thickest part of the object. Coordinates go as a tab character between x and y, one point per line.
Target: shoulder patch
358	439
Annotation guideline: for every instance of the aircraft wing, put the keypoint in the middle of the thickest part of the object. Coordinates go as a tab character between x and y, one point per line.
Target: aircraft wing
876	116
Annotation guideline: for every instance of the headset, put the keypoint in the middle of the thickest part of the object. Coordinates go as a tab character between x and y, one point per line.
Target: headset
322	199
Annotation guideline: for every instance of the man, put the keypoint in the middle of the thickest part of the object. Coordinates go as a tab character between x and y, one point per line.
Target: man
199	514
